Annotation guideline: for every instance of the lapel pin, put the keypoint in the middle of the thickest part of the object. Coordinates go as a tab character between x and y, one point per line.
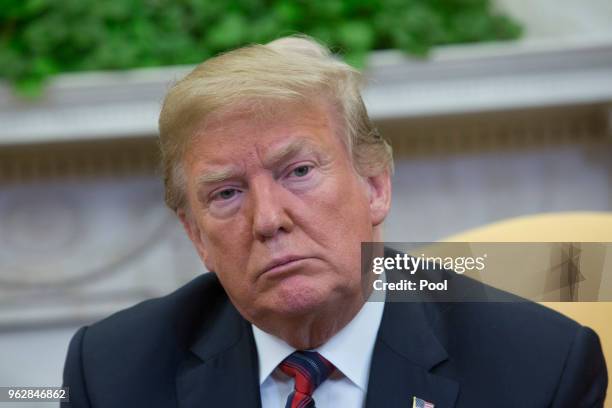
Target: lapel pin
419	403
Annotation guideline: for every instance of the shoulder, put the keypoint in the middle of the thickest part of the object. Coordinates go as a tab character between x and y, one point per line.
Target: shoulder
521	345
500	326
144	344
172	316
519	326
504	348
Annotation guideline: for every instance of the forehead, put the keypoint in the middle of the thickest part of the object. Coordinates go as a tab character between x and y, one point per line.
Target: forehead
265	125
265	113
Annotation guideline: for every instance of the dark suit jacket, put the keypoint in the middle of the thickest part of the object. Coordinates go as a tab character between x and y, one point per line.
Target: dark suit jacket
192	349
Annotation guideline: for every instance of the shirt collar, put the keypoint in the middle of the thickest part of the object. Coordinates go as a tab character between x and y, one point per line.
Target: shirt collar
271	351
350	350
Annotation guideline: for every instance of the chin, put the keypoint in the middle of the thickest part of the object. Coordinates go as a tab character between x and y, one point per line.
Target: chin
300	295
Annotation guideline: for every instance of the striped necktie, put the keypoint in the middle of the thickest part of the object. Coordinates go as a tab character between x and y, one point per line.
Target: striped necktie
309	369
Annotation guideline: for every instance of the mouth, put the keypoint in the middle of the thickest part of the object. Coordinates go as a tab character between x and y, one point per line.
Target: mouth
283	264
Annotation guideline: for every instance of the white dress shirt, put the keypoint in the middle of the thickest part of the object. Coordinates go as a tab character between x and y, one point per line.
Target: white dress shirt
350	350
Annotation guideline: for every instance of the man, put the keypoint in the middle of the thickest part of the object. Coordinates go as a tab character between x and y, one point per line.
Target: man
277	175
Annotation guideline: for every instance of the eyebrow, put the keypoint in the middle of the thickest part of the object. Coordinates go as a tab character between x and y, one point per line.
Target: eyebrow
269	161
291	149
216	176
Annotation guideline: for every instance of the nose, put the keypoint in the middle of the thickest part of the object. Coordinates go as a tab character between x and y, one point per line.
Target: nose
270	216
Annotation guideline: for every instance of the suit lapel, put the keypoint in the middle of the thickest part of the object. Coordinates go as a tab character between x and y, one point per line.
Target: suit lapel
405	352
221	369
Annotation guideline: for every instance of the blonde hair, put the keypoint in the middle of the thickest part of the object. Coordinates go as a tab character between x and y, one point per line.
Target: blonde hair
291	68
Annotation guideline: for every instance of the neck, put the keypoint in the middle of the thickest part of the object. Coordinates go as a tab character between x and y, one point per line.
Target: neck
310	331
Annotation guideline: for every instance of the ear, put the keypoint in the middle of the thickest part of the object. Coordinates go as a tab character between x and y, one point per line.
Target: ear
195	235
380	196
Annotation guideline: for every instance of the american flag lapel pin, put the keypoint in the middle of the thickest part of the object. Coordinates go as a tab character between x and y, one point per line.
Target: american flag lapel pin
419	403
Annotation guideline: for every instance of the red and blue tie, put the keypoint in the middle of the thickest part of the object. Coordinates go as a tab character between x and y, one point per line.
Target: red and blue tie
309	369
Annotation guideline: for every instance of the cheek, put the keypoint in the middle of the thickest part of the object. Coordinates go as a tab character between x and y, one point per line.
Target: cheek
226	243
228	254
347	202
337	216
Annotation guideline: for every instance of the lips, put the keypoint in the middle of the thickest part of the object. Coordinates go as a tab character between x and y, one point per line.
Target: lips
282	263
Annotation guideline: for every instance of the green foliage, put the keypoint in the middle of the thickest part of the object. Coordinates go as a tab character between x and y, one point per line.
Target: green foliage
39	38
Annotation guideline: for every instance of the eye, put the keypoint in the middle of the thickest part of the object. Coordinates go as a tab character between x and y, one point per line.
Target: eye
301	171
226	194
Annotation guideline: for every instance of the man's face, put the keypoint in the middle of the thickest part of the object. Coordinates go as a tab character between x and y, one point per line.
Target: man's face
278	212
